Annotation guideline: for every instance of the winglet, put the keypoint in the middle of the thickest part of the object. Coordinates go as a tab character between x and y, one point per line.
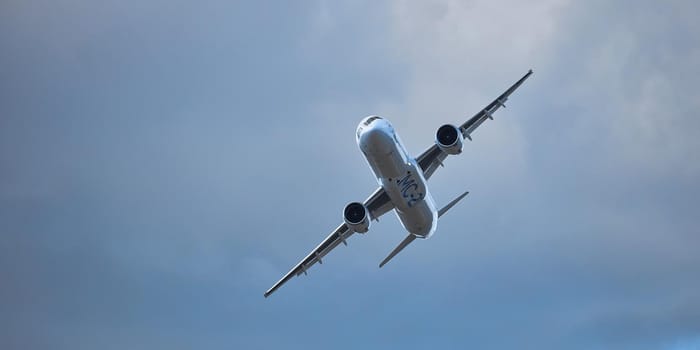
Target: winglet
517	84
444	210
398	248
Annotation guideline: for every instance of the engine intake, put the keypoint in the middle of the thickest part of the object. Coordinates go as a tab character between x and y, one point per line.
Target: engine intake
449	139
356	217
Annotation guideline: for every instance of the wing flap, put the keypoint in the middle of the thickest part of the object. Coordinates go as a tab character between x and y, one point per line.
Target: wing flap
378	204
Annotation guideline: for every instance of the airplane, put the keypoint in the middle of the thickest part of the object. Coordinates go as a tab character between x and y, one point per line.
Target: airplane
402	183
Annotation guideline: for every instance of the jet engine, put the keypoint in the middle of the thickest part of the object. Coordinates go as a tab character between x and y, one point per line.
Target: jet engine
356	216
449	139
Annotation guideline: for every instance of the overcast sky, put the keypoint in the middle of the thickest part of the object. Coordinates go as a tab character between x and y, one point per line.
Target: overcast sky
163	163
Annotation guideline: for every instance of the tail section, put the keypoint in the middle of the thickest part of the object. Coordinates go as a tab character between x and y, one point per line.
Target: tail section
444	210
406	241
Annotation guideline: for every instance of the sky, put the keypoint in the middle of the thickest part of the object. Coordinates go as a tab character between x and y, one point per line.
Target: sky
163	163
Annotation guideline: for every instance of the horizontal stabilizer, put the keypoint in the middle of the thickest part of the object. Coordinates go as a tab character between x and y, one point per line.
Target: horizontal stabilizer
451	204
399	248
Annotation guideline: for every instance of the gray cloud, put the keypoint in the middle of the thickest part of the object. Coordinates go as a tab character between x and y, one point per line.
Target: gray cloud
151	187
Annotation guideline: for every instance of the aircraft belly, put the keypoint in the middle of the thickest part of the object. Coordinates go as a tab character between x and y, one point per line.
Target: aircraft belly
400	177
419	220
414	205
386	165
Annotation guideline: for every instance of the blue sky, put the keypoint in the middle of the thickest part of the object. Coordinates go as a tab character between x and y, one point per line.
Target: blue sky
162	163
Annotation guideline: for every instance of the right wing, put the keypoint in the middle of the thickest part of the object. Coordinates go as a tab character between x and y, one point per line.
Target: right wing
377	204
432	158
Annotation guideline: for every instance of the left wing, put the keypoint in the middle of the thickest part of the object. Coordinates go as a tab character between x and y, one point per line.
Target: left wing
432	158
377	204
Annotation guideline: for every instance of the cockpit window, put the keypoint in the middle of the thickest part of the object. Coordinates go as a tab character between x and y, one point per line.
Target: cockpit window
371	119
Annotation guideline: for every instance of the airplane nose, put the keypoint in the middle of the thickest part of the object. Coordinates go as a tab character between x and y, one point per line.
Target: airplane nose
375	140
365	124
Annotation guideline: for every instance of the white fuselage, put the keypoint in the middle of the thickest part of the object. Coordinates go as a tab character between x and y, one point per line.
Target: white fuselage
399	175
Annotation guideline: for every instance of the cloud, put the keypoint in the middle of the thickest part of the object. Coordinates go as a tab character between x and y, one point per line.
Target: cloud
599	123
164	165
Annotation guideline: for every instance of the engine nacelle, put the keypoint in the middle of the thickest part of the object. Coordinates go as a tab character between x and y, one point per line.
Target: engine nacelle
356	216
449	139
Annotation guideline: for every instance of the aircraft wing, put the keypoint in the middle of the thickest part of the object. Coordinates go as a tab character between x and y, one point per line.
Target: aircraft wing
432	158
377	204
